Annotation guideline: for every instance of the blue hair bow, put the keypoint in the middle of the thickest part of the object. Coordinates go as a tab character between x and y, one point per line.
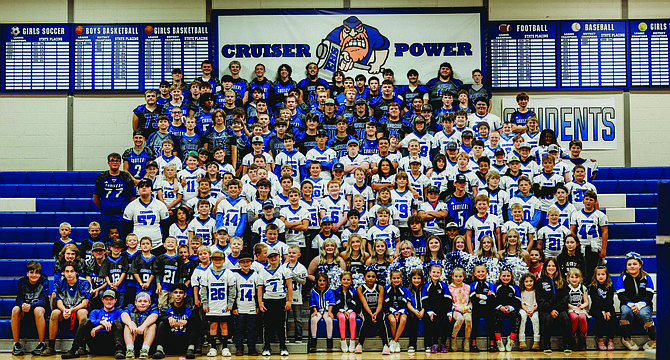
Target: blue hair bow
634	255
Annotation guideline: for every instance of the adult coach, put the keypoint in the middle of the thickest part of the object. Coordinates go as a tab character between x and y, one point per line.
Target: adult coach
114	190
145	216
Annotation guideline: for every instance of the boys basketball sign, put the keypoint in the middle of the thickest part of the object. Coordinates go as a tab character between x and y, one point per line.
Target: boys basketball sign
354	42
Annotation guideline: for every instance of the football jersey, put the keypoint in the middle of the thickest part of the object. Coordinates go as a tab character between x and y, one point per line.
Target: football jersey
189	143
246	284
376	158
510	183
178	233
483	227
146	219
232	213
281	248
293	158
346	234
191	187
258	227
312	208
403	202
319	186
169	192
169	269
524	228
318	240
198	272
295	237
147	118
577	192
203	228
217	290
370	217
443	139
531	139
591	166
403	164
356	161
426	143
203	121
114	269
552	238
366	191
138	317
530	205
432	226
281	201
470	176
143	267
73	295
163	161
460	209
299	277
383	180
336	209
138	160
274	282
418	183
493	120
388	233
155	142
588	227
529	168
543	179
114	191
440	179
498	200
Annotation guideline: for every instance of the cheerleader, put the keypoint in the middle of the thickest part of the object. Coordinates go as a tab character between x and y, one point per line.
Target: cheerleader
482	297
371	297
380	261
395	304
345	306
415	308
507	305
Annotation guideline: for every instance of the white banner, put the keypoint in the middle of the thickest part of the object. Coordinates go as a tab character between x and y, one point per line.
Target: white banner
592	120
356	42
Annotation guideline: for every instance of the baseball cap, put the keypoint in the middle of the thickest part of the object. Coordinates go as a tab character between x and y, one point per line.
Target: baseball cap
552	147
419	118
111	293
329	101
432	189
524	145
338	166
484	123
217	254
460	178
499	151
152	163
467	133
268	204
272	251
452	225
257	139
98	245
326	219
427	107
321	132
452	145
145	183
116	242
222	228
414	159
360	101
513	159
245	256
352	142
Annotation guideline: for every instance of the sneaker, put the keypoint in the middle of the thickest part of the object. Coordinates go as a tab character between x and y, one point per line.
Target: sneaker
49	352
130	354
225	352
651	344
454	347
610	345
39	349
632	346
266	352
70	354
444	348
510	345
159	354
352	346
567	351
212	352
17	350
343	346
386	350
298	341
411	349
119	354
190	354
474	348
82	351
358	349
252	351
501	347
547	349
394	347
283	352
144	354
428	349
522	345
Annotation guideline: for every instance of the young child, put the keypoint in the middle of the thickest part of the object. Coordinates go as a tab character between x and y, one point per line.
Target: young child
395	304
275	294
550	237
545	184
114	270
437	301
371	297
482	224
345	305
130	254
601	293
296	219
218	294
141	267
299	275
189	266
355	227
168	269
525	230
65	229
566	209
32	300
482	297
194	245
334	206
578	303
383	201
498	198
552	299
94	236
530	204
635	289
321	306
512	247
189	176
415	308
258	228
528	311
245	309
572	255
462	313
384	231
591	225
433	212
536	262
507	305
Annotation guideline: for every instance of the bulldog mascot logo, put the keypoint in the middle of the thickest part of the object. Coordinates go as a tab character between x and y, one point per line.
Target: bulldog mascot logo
353	45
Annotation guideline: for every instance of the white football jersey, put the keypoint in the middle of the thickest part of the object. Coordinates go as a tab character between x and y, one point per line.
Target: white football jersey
404	203
336	209
389	234
431	226
319	188
274	282
217	290
577	192
543	179
178	233
313	210
530	206
524	228
497	200
295	159
232	212
419	183
191	187
295	237
205	229
146	219
482	227
298	276
258	227
162	162
246	290
426	143
566	213
170	190
552	238
588	227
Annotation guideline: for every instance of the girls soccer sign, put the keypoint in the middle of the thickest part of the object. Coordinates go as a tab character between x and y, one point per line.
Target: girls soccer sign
354	42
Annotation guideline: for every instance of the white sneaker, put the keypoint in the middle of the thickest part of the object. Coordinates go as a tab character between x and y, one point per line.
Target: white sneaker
510	345
225	352
651	344
212	352
630	344
501	347
411	349
266	352
283	352
386	350
343	346
392	346
352	346
396	346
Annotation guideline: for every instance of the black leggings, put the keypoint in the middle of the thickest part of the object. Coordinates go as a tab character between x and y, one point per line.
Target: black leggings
436	329
367	324
176	343
514	316
479	312
274	319
560	325
605	328
413	328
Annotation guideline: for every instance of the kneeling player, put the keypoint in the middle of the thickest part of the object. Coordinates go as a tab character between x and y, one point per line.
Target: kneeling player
178	326
140	320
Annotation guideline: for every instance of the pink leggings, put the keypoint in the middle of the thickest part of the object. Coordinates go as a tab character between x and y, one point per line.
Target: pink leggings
327	319
578	321
342	321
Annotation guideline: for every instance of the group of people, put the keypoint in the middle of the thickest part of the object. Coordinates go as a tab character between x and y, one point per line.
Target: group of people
241	201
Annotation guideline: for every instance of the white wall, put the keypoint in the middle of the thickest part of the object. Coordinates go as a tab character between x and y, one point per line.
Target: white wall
33	128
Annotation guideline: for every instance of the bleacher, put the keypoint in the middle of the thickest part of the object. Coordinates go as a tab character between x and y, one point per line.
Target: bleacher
33	204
